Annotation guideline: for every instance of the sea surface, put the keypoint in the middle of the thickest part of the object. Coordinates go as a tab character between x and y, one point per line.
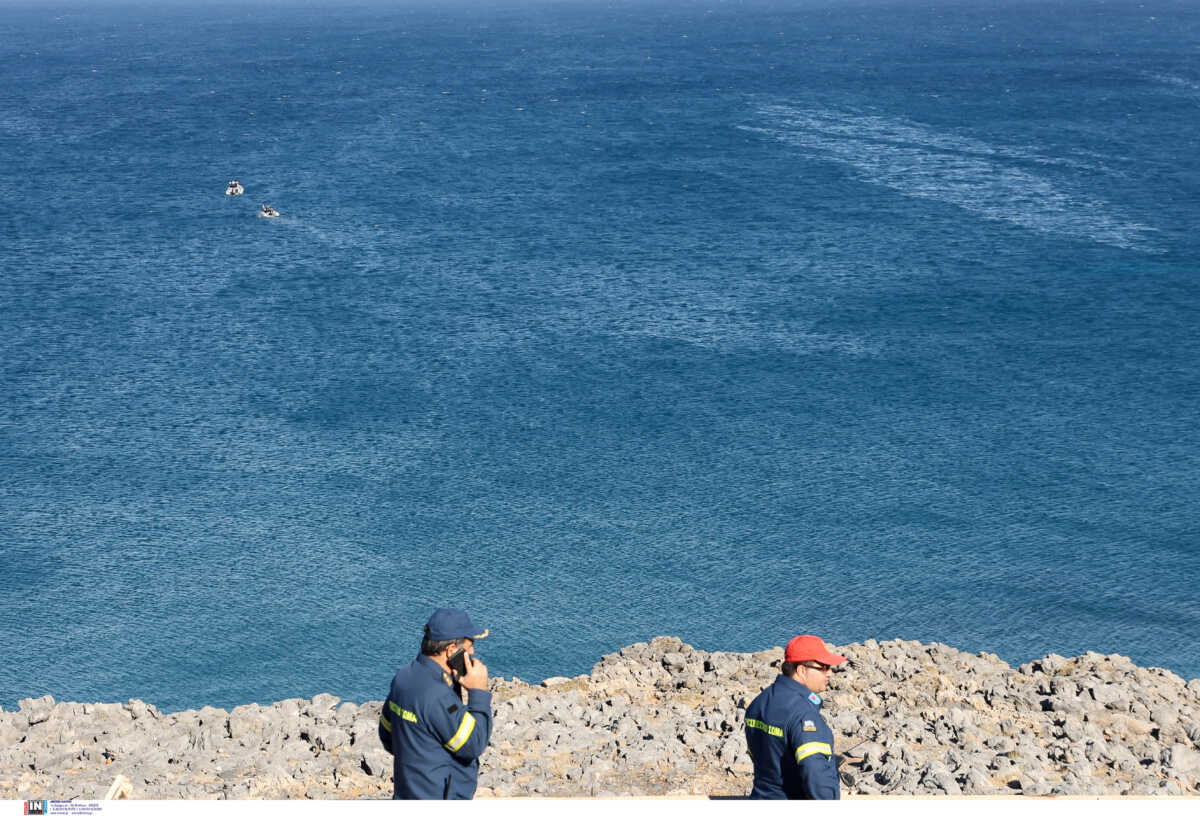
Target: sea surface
601	320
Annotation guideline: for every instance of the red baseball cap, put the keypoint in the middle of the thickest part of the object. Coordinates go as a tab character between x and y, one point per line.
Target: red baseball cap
802	648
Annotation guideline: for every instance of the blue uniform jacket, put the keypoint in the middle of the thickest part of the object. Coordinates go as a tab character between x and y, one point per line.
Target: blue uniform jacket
791	746
435	741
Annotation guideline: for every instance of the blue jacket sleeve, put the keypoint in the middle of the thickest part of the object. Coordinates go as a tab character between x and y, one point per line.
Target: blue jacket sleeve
811	741
465	732
385	724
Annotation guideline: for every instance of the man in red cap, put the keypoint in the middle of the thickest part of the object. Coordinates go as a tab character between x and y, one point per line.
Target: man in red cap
791	746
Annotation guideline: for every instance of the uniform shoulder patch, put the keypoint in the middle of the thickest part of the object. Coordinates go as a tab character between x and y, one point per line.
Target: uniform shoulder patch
814	698
452	709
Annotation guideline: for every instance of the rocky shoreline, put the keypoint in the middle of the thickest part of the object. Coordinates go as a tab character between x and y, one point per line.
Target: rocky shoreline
659	718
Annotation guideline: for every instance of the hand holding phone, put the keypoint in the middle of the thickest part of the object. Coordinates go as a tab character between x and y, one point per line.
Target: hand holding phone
475	676
458	662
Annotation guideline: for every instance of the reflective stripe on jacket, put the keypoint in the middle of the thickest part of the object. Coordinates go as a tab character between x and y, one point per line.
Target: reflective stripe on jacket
790	745
435	741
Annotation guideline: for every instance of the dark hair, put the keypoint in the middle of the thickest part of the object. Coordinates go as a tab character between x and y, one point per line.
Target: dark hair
789	668
432	647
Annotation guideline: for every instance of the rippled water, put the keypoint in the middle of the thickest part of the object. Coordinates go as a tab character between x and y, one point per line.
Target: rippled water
724	321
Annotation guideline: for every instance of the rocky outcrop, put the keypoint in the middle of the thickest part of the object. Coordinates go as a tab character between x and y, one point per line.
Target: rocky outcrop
660	718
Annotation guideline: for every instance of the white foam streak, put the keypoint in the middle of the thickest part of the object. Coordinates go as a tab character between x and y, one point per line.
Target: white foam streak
1177	82
921	162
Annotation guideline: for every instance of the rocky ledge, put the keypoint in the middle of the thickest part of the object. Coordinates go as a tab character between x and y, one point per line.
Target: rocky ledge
659	718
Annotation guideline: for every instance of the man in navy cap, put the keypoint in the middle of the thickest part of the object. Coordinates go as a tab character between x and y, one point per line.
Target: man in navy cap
435	741
789	742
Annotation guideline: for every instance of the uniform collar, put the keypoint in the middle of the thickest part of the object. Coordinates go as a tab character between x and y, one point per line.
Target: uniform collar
429	663
796	687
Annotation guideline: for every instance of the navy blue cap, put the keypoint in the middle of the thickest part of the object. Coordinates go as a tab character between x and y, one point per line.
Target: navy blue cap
452	624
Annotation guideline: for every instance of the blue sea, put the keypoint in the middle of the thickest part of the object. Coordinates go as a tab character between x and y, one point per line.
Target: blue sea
601	319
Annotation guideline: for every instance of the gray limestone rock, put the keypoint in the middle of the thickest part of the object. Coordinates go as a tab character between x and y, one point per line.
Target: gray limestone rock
10	734
327	738
376	762
936	777
1182	761
1110	695
138	710
36	710
975	781
891	772
659	716
872	756
1073	729
295	750
1033	783
246	724
674	662
321	708
346	714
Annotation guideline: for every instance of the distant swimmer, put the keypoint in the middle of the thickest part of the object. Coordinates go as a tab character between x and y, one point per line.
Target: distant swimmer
234	188
269	212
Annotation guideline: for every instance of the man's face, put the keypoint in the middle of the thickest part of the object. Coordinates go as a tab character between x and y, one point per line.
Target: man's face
816	676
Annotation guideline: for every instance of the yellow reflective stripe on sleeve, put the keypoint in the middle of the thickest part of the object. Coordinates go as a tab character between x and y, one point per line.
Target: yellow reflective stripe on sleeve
773	730
404	713
383	720
809	748
463	733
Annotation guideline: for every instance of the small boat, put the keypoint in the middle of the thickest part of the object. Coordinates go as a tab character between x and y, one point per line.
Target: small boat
268	211
234	188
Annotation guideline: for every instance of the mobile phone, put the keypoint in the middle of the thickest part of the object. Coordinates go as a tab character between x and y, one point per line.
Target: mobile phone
458	662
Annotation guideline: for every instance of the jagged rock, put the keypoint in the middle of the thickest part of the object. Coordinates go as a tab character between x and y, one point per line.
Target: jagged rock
1182	761
936	777
138	709
376	762
1110	695
908	718
10	734
36	711
346	713
320	708
975	781
327	738
1033	784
